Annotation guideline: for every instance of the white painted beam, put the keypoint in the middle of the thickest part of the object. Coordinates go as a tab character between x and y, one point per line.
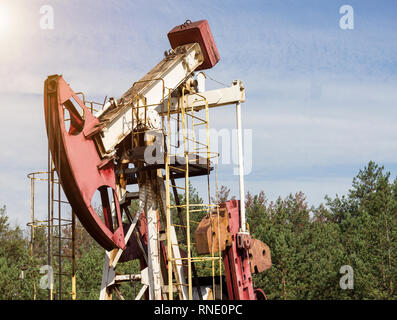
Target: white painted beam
215	98
173	70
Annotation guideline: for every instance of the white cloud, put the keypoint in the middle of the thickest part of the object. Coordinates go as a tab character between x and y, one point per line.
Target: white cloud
315	96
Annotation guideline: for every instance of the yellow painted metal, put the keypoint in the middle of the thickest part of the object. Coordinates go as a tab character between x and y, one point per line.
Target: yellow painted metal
189	121
189	265
168	202
74	288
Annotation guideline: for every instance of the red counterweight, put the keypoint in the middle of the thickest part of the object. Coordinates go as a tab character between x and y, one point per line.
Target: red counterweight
200	32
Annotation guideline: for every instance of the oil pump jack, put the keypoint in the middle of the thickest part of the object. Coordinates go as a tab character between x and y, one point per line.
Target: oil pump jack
129	142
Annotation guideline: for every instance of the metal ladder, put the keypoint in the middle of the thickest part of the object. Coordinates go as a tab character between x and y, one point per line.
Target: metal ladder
193	150
55	235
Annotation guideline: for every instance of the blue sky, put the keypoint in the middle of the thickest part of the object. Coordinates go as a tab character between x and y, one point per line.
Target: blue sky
321	101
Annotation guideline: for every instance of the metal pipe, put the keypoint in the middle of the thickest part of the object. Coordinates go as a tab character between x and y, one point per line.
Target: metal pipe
187	200
240	167
74	294
168	204
32	227
31	216
49	124
59	220
52	232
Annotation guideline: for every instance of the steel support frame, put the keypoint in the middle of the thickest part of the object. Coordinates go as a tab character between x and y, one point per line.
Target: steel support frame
236	260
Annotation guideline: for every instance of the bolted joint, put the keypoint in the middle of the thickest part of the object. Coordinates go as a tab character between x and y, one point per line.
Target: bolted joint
244	240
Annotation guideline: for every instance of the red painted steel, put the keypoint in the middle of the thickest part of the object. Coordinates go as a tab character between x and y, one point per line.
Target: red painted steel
80	168
200	32
236	260
133	250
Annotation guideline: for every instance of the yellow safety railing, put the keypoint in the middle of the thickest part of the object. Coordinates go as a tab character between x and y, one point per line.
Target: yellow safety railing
191	147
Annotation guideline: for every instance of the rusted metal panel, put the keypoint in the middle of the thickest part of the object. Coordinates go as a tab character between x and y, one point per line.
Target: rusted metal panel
242	254
207	236
259	255
200	32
